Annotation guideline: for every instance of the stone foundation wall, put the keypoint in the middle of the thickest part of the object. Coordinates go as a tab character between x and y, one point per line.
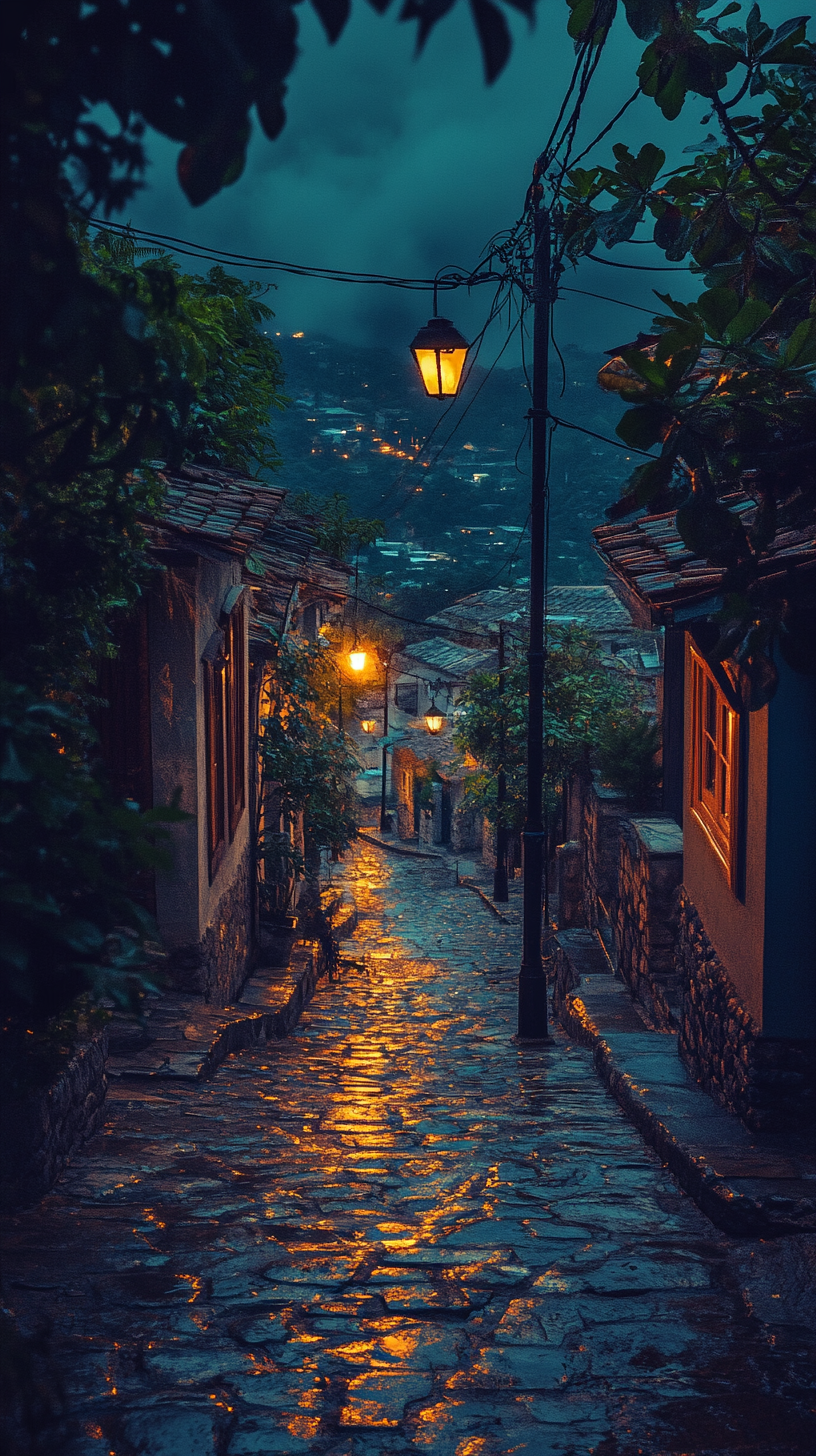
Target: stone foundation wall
40	1133
650	869
466	822
603	809
217	967
768	1082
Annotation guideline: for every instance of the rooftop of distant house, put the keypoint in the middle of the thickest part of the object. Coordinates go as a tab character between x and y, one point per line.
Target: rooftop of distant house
595	607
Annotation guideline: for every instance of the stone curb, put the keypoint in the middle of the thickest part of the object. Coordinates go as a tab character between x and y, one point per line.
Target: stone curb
485	899
398	848
730	1210
270	1007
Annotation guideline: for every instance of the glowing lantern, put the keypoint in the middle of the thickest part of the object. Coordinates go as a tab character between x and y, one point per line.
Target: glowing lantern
434	720
368	724
357	660
440	353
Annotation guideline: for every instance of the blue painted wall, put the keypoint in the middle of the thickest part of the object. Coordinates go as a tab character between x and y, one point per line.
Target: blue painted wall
789	993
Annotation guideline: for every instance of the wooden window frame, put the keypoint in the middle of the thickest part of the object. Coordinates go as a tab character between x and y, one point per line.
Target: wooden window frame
225	720
215	687
236	717
715	765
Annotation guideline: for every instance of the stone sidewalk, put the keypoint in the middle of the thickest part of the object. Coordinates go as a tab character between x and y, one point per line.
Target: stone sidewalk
396	1231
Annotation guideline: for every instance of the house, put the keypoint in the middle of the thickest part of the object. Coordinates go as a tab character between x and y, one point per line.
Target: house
742	785
230	561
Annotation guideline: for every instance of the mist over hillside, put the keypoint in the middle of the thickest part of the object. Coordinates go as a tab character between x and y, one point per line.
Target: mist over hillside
451	483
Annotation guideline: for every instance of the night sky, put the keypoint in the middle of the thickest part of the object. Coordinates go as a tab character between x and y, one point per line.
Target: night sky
397	165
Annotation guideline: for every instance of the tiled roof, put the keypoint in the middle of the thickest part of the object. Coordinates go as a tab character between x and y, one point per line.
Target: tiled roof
596	607
250	519
223	507
444	658
652	562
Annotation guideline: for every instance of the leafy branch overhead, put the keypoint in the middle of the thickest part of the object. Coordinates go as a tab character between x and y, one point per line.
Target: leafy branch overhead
721	392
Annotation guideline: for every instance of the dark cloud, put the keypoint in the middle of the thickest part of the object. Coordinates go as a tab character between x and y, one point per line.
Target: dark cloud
397	165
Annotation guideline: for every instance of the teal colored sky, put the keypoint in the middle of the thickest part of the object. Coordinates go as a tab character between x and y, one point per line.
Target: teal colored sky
394	164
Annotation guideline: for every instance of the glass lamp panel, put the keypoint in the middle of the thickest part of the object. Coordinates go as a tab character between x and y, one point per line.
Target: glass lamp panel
426	361
451	364
357	661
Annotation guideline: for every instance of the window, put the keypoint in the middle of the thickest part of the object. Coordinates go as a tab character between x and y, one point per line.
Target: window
215	685
405	697
714	769
236	717
226	733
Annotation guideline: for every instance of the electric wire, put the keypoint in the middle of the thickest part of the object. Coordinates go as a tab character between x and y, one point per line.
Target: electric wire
587	293
637	267
609	125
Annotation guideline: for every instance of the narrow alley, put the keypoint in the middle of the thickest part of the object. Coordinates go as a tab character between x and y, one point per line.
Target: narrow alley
397	1231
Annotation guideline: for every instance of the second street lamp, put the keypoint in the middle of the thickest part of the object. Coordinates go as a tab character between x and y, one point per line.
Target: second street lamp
434	720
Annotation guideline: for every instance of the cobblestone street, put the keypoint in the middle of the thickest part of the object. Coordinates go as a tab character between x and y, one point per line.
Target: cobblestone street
397	1232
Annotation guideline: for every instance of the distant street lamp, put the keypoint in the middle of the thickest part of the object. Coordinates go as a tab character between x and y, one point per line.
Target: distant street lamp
440	352
434	720
368	724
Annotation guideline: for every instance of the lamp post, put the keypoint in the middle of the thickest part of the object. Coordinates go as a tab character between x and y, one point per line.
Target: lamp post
500	872
532	1002
429	350
385	823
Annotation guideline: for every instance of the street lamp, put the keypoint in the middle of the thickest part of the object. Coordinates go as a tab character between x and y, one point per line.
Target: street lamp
368	724
434	720
440	352
357	659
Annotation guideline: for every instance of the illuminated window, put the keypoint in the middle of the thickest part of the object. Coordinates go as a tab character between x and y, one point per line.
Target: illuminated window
715	749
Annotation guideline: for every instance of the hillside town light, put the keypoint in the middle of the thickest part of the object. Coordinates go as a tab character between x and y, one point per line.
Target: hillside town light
357	660
434	720
440	353
368	724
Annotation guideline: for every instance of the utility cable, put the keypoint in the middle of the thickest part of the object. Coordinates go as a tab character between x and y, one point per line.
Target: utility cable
638	267
586	293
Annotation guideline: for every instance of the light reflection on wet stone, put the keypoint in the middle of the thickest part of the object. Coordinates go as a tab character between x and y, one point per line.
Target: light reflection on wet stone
397	1232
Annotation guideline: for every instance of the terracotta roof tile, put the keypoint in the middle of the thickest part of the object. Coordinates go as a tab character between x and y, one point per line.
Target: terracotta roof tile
653	564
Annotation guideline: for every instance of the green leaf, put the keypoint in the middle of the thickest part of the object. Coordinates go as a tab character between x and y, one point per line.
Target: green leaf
641	170
650	479
710	530
653	374
800	352
645	425
781	44
718	306
750	317
581	18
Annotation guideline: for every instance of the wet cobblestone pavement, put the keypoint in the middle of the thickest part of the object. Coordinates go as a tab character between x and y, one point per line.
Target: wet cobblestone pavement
398	1232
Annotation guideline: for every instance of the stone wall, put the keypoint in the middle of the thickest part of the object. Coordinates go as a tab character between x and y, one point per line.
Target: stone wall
603	810
217	967
39	1133
466	822
650	869
769	1082
568	885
